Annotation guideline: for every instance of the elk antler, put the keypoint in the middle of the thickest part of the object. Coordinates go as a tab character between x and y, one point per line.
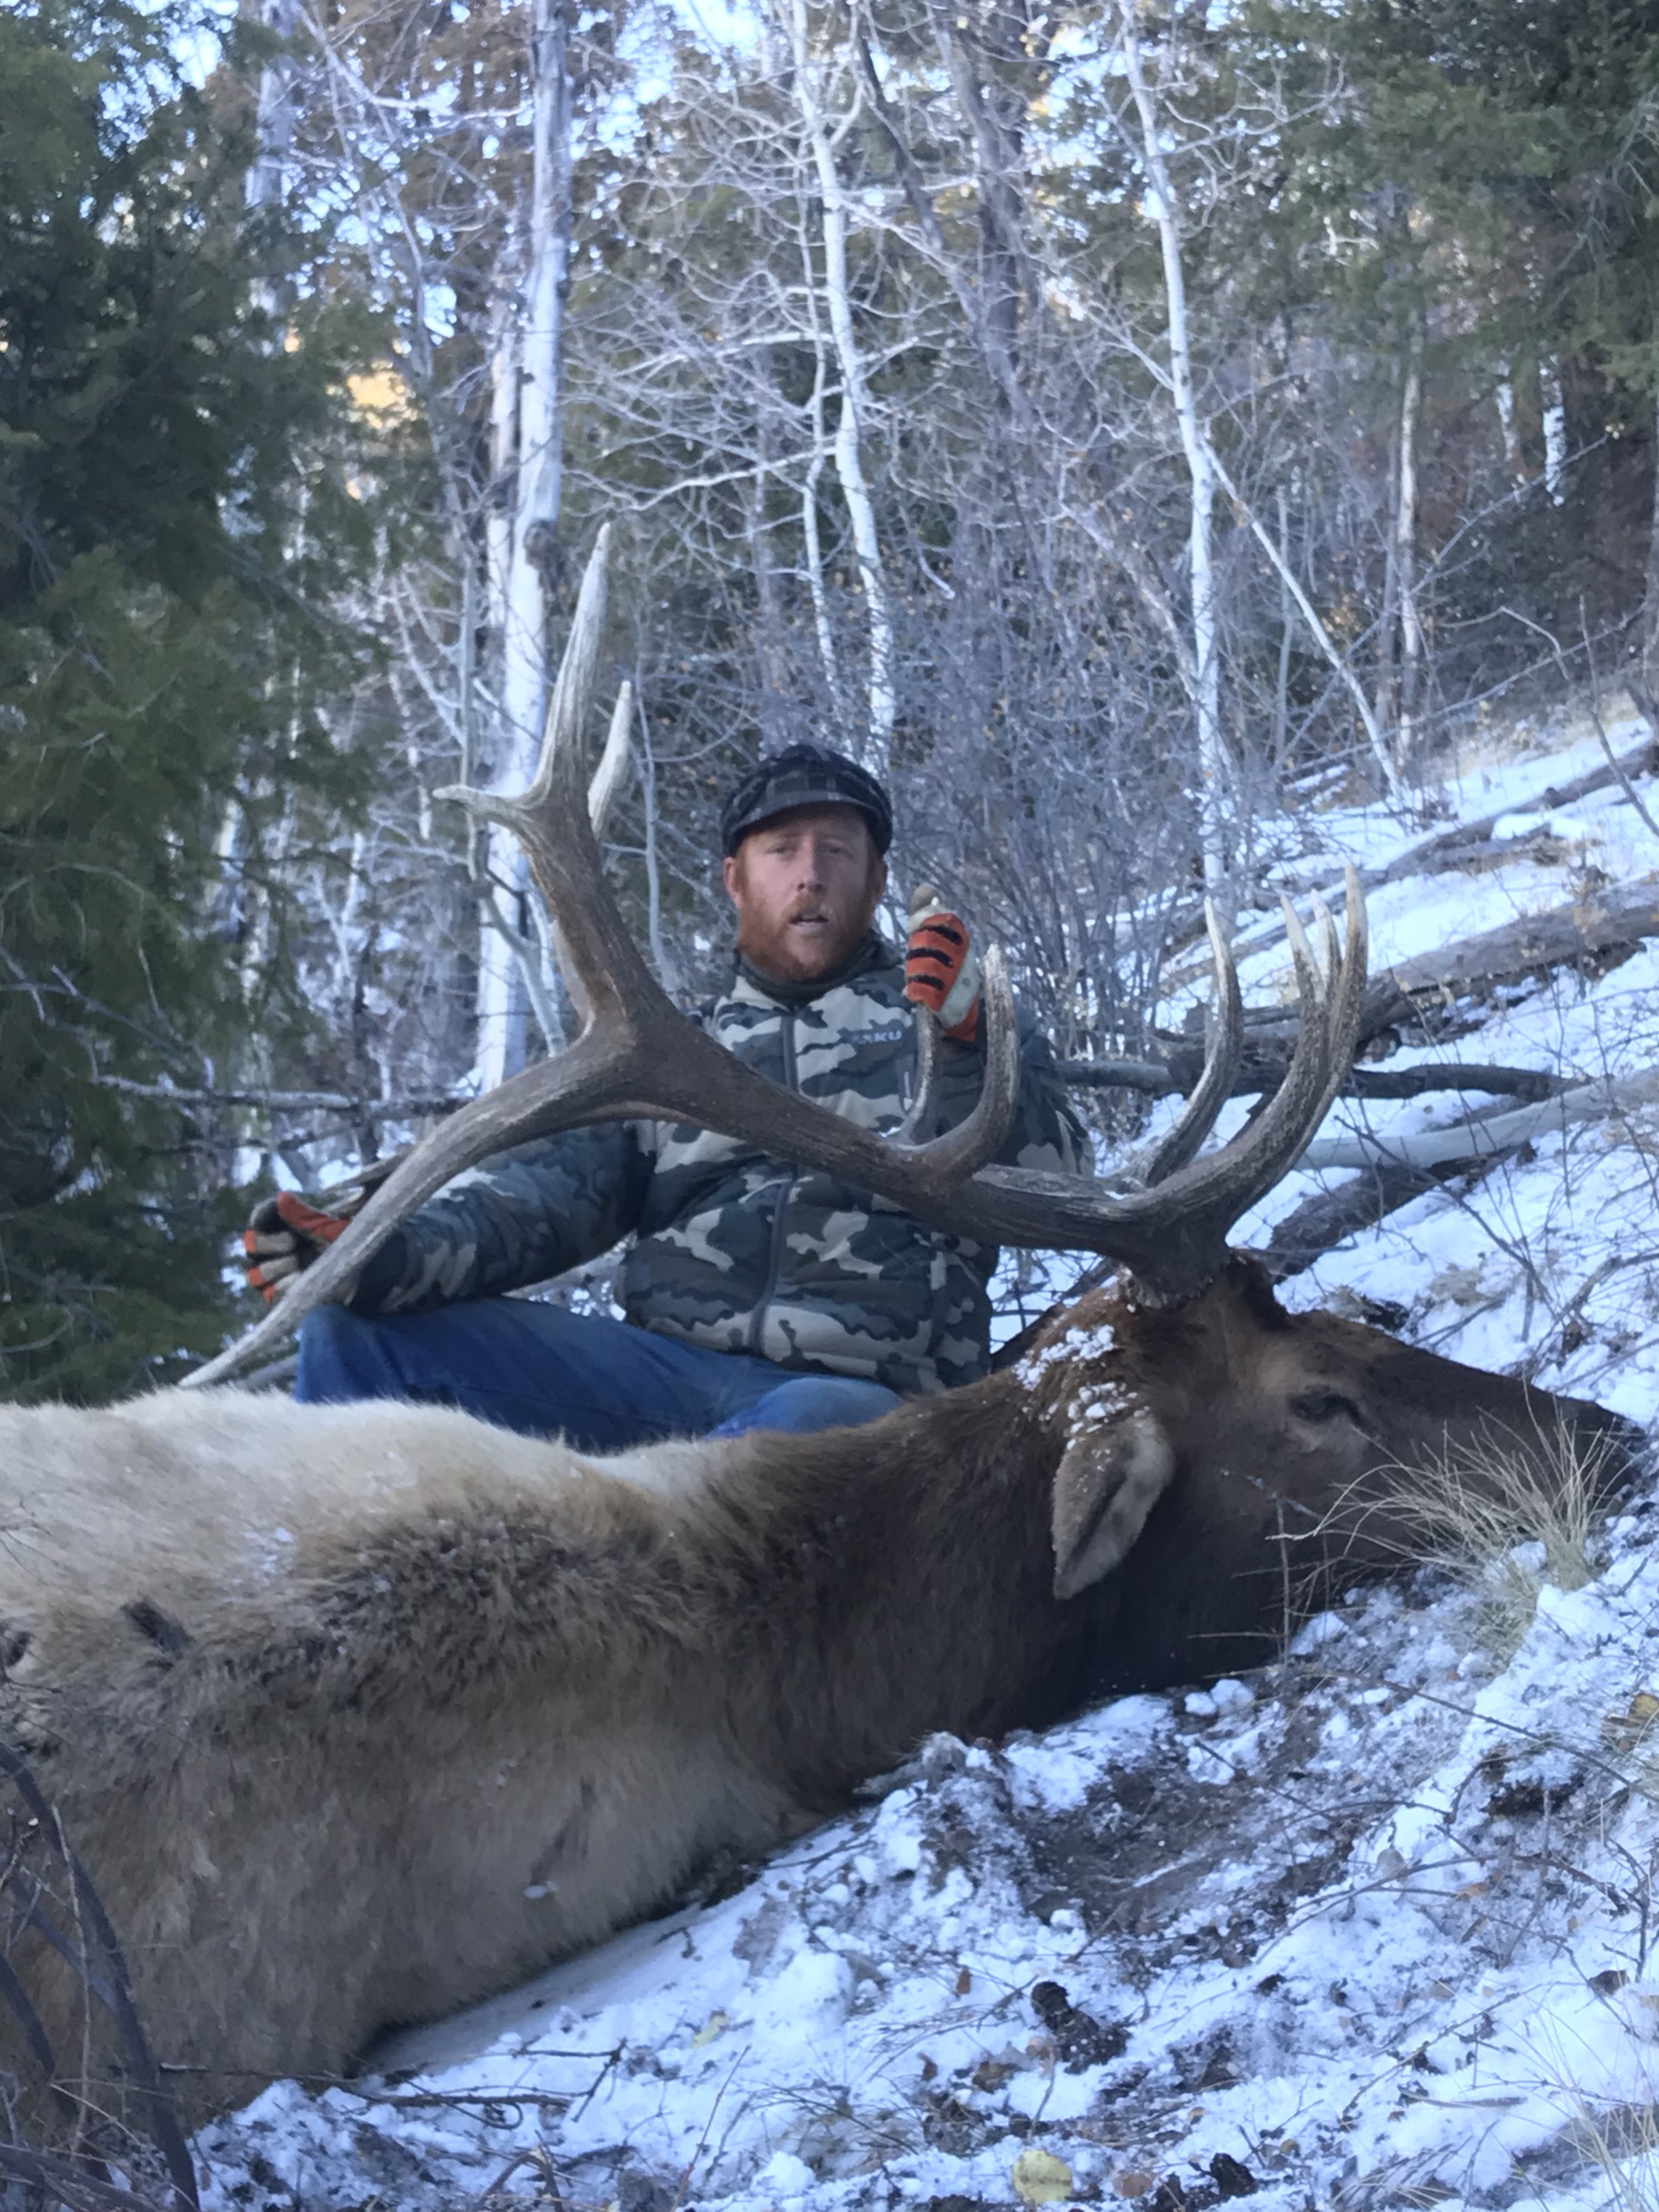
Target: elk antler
637	1055
1172	1235
1214	1085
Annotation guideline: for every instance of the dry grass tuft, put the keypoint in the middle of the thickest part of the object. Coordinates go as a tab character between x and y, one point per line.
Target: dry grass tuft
1505	1518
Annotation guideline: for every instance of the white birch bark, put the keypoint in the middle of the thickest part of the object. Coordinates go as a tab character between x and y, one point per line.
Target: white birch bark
1555	431
1386	699
266	184
1215	762
663	957
1411	627
813	550
1282	688
848	448
512	975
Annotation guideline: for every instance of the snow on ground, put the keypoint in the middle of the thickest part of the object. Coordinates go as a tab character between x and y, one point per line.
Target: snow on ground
1376	1928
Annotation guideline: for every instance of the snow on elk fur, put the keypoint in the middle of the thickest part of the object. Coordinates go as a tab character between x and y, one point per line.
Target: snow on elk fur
356	1714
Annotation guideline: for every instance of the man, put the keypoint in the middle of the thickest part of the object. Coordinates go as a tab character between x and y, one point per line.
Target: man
756	1296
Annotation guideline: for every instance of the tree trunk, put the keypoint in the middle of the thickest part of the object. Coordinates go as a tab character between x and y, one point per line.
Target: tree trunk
273	138
811	547
1651	608
1555	430
527	420
771	650
1286	608
1514	462
1411	627
877	747
1217	774
1385	700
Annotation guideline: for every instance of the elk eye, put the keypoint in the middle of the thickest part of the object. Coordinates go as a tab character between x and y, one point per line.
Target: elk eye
1325	1405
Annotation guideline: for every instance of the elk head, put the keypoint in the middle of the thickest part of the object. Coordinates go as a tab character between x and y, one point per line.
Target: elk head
1256	1459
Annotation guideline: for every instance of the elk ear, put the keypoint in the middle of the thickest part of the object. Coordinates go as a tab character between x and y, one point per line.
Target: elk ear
1109	1481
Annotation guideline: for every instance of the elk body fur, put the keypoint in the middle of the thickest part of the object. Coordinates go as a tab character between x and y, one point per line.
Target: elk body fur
357	1714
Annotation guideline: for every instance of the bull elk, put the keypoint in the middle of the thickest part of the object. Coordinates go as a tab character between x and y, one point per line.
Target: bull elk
355	1714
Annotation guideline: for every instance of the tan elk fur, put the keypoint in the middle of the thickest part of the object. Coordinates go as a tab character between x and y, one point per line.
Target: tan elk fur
356	1714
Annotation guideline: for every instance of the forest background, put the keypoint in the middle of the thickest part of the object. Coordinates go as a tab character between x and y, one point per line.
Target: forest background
1126	428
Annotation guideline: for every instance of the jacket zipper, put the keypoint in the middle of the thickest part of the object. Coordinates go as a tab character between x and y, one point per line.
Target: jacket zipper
775	1256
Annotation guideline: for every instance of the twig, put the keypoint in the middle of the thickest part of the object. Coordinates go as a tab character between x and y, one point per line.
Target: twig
321	1102
69	2182
1646	710
114	1988
692	2163
1159	1077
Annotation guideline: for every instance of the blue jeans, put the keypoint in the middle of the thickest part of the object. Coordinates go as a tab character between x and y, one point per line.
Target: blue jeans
598	1383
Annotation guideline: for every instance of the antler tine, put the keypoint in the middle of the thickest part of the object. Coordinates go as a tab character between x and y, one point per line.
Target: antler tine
558	769
1301	953
1222	1056
1348	994
603	792
551	820
1173	1236
1330	944
616	760
1231	1180
955	1154
924	1104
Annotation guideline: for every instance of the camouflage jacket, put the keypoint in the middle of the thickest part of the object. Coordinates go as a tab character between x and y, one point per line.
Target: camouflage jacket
734	1250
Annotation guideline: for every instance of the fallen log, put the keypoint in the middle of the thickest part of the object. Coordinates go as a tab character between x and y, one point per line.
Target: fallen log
1468	843
1329	1218
1491	1134
1392	1171
1179	1073
1605	927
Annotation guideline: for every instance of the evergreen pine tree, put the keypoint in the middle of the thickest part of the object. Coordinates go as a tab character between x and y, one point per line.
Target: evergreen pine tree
159	655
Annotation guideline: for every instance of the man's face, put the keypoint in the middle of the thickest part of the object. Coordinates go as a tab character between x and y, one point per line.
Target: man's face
805	885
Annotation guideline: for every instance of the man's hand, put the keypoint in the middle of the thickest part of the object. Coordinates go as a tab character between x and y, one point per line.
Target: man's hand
940	971
283	1238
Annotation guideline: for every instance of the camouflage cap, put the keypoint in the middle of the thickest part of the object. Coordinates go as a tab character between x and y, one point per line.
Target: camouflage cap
804	774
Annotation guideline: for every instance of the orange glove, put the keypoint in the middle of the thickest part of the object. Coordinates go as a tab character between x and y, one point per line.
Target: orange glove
940	971
284	1236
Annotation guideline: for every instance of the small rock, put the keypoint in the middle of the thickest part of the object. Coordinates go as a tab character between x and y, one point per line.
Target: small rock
1080	2040
1232	2178
643	2192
